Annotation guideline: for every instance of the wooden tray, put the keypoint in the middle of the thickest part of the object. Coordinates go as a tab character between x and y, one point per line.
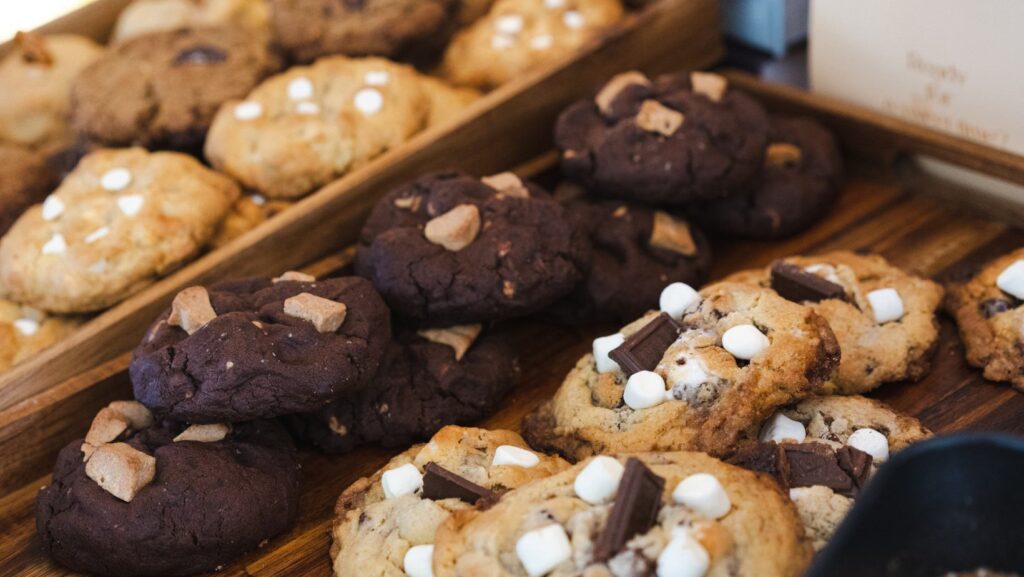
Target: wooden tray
880	211
506	127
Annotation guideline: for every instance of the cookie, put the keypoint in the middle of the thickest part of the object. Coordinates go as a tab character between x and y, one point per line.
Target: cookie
35	80
302	129
162	90
988	313
450	249
309	29
693	378
637	252
470	11
824	451
680	138
146	16
799	182
24	331
119	221
652	513
517	37
884	318
186	503
437	377
377	530
446	102
261	348
250	211
25	179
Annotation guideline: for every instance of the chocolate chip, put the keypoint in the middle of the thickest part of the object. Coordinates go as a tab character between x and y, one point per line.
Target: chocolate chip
991	307
200	55
856	463
768	458
643	350
796	284
637	502
440	483
813	464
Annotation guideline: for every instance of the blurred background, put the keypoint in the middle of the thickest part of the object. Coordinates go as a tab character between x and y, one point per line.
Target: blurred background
24	15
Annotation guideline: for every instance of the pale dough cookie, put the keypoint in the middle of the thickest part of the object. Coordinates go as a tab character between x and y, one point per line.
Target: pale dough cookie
874	352
24	331
144	16
312	124
373	533
249	211
121	219
758	535
519	36
446	102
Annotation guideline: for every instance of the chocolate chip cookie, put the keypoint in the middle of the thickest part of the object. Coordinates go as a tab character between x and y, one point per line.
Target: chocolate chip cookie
25	179
164	499
987	309
693	378
146	16
884	318
24	331
161	90
652	513
261	348
452	249
798	184
674	140
386	522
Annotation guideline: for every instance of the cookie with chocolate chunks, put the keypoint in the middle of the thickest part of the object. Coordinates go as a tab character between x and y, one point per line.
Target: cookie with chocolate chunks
261	348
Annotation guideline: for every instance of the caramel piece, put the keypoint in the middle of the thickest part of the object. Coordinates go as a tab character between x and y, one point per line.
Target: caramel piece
710	85
781	154
672	234
615	86
191	309
326	315
656	118
459	338
455	229
121	470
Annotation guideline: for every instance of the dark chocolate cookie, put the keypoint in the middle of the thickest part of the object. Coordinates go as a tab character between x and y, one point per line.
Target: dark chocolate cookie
420	388
161	90
208	503
309	29
637	252
680	138
25	179
265	349
451	249
800	181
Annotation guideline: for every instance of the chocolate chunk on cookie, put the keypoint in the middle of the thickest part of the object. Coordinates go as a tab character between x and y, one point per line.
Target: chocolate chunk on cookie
674	140
25	179
452	249
261	348
422	385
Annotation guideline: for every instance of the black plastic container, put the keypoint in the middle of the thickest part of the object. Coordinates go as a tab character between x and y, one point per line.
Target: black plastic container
953	503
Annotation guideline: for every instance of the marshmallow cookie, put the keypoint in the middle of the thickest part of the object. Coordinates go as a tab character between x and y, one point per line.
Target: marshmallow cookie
24	331
25	179
674	140
261	348
451	249
694	376
665	514
519	36
119	221
145	16
385	524
988	312
825	450
884	318
143	498
428	378
162	90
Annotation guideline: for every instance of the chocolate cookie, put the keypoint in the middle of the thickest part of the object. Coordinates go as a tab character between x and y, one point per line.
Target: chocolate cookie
193	501
260	348
429	379
451	249
800	180
161	90
680	138
25	180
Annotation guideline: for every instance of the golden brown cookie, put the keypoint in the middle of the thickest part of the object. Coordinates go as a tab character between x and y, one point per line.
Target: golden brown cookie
24	331
145	16
249	211
446	102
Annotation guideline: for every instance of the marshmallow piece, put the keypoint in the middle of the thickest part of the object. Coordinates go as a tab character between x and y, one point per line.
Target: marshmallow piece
509	24
515	456
300	88
369	101
602	347
294	276
781	428
377	77
501	42
507	184
131	204
677	298
455	229
459	337
326	315
1011	280
121	470
672	234
401	481
708	84
644	389
685	378
248	110
656	118
542	42
116	179
419	561
780	154
615	86
703	493
744	341
554	4
871	442
597	482
886	304
97	234
541	550
684	556
56	244
573	20
307	108
27	327
204	433
191	309
53	207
